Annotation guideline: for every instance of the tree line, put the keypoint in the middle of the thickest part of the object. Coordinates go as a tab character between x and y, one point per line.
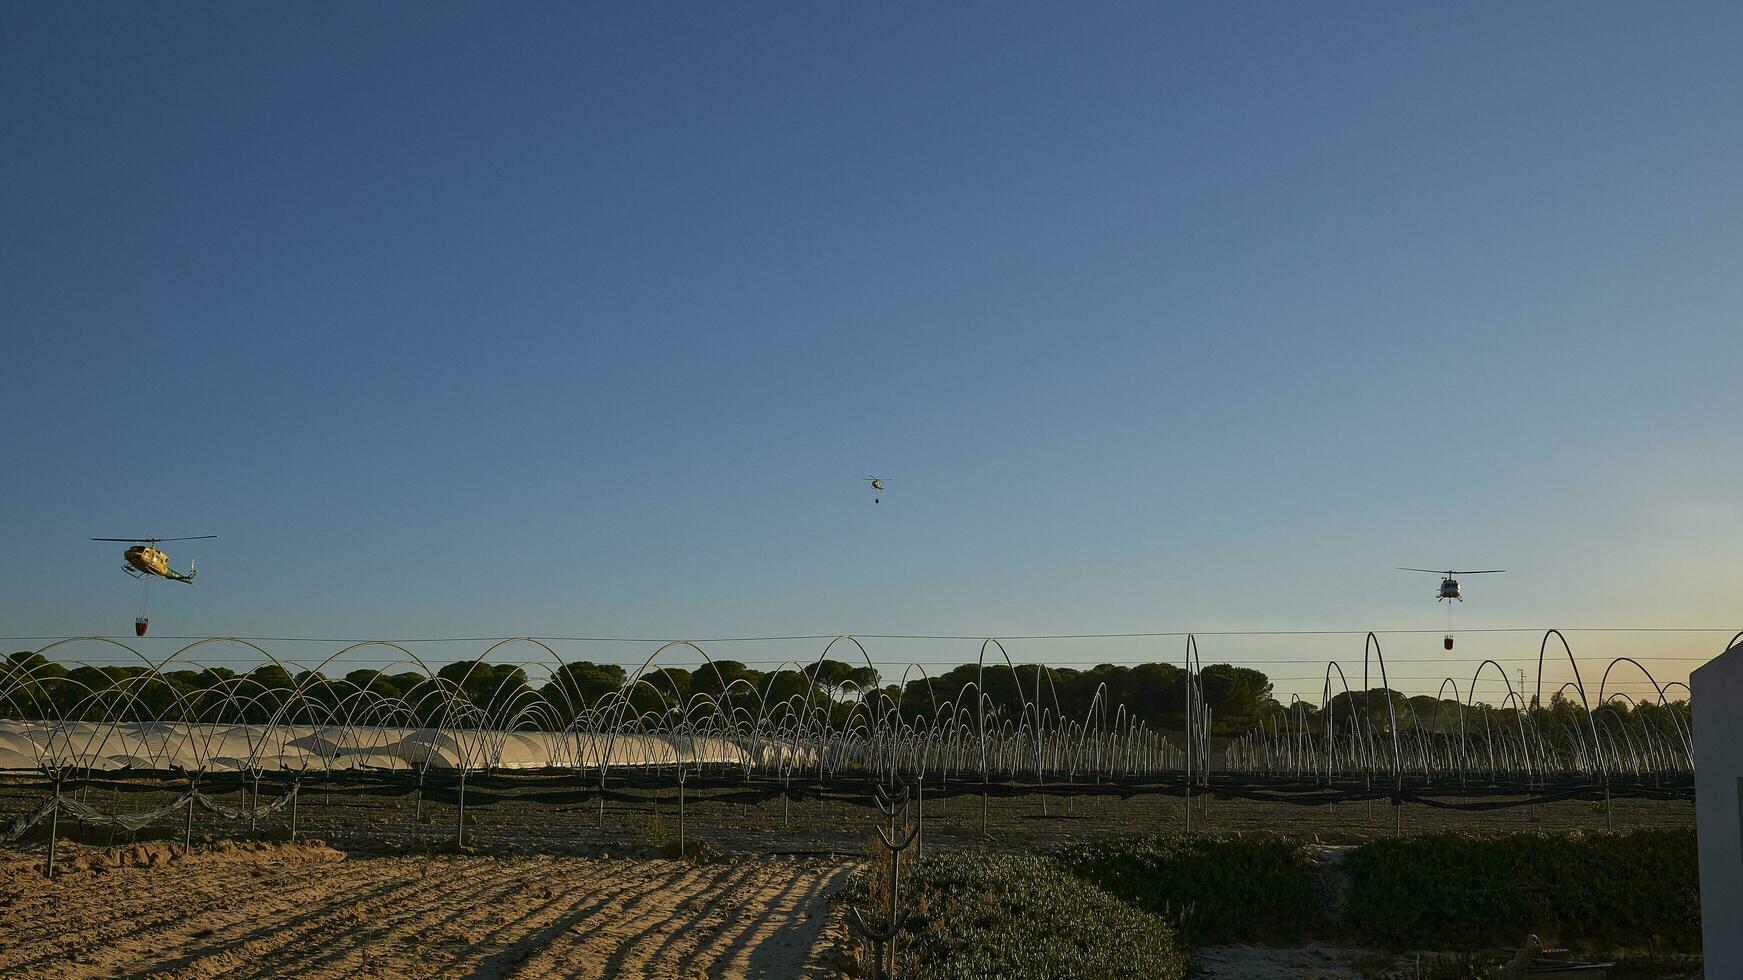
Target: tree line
1238	699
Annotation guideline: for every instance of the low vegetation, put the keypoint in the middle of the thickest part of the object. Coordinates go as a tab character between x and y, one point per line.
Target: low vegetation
1218	889
1636	890
1132	907
984	914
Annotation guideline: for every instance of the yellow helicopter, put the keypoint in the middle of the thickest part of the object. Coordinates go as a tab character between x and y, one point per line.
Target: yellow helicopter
145	562
144	559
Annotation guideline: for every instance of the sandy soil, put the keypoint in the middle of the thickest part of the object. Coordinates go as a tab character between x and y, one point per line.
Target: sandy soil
308	911
1311	961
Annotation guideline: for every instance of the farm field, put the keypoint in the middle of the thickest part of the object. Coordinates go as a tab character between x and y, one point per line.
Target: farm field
307	910
530	899
955	822
374	886
836	821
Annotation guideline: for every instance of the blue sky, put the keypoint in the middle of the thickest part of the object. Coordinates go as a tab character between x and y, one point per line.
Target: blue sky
577	320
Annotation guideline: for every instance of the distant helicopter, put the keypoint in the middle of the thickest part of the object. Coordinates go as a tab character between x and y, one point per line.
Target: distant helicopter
145	562
1449	590
876	484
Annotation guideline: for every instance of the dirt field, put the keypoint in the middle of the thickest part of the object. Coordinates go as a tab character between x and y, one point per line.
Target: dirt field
638	819
309	911
544	890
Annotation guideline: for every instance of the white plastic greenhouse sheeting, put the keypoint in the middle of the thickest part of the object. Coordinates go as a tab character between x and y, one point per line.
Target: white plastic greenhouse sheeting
32	745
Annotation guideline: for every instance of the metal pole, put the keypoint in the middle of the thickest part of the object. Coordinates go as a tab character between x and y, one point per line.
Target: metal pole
460	823
895	890
188	828
54	815
295	785
1188	717
1040	760
920	818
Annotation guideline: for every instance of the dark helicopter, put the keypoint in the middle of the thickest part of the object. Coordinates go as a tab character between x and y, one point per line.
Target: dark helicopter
1449	590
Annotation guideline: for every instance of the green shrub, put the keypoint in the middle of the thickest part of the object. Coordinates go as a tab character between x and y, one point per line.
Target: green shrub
1015	915
1219	889
1633	890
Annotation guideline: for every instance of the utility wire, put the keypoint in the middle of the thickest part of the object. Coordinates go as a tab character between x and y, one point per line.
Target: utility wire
908	636
958	663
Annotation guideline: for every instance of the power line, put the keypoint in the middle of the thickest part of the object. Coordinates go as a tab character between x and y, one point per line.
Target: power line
959	663
1178	634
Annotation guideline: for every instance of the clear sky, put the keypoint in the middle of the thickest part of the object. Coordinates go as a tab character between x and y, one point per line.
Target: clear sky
587	320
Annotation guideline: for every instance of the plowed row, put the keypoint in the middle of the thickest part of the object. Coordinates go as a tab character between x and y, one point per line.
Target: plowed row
308	912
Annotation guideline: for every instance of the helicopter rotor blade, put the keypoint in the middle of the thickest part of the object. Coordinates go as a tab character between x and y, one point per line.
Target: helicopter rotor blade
1481	571
195	537
1431	571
